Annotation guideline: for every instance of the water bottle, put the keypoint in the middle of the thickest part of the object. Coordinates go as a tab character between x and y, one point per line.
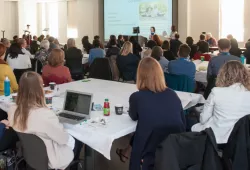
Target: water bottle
6	86
243	59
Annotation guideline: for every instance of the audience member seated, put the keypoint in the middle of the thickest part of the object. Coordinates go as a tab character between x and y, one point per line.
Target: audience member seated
225	104
34	46
235	48
166	51
203	46
15	39
97	37
211	40
23	44
136	46
41	38
182	66
55	71
86	44
150	45
17	59
52	44
42	54
120	41
157	39
6	71
217	62
96	51
113	49
73	59
31	115
127	62
157	53
247	52
175	44
56	42
7	44
193	47
158	111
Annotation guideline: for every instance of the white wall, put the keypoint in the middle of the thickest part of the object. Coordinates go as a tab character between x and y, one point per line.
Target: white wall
197	16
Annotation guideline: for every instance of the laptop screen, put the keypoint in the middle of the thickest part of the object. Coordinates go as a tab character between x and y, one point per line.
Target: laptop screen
79	103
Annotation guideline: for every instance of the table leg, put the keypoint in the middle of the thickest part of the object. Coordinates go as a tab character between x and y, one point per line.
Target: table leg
89	158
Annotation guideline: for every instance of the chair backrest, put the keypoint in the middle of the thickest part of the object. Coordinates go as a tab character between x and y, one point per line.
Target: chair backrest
34	151
19	72
180	82
210	85
100	69
114	68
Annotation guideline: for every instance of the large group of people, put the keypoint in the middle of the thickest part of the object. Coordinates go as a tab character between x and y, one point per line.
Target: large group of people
156	107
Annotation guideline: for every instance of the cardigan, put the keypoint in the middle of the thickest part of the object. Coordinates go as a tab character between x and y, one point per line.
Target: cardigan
223	108
44	123
156	114
7	71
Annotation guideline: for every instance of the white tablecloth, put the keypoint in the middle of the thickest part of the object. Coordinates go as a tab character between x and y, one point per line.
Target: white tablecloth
85	58
200	76
97	136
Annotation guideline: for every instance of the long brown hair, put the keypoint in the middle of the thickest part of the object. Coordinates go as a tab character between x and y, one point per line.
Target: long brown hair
150	76
233	72
30	95
157	39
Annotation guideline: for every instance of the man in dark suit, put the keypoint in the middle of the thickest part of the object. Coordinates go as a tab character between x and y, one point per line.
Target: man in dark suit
203	46
175	44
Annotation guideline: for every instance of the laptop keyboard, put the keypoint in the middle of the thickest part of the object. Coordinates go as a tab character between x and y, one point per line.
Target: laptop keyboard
72	117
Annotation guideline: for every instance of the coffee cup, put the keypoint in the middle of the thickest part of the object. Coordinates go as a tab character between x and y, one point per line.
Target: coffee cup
14	97
52	85
119	109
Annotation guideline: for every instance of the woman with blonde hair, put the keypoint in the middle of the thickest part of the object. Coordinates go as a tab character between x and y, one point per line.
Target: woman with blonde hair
55	71
227	102
31	115
158	111
127	62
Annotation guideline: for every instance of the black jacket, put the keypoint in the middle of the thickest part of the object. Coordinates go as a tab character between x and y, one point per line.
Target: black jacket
174	46
114	50
203	47
34	47
236	154
189	151
169	55
73	60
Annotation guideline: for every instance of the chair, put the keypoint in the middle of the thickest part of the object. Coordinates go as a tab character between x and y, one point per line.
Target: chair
31	146
38	67
34	152
19	72
75	67
210	85
114	68
180	82
197	56
100	69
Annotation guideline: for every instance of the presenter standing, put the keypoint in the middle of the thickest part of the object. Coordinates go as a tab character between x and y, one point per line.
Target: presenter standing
152	33
173	32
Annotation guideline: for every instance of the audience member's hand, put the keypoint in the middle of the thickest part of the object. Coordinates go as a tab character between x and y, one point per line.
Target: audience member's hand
7	123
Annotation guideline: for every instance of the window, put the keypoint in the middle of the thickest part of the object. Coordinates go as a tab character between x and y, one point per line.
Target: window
231	20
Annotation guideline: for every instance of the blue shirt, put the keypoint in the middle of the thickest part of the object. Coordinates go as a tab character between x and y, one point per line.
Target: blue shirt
182	66
217	62
164	64
96	53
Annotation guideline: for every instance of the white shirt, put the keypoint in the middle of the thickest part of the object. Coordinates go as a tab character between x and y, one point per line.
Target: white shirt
26	52
21	62
223	108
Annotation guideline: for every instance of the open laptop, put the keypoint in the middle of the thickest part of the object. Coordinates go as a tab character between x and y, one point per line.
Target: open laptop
77	107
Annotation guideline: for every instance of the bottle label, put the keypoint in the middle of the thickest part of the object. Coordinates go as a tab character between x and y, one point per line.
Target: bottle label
106	111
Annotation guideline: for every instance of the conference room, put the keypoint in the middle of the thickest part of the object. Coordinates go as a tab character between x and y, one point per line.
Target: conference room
124	84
